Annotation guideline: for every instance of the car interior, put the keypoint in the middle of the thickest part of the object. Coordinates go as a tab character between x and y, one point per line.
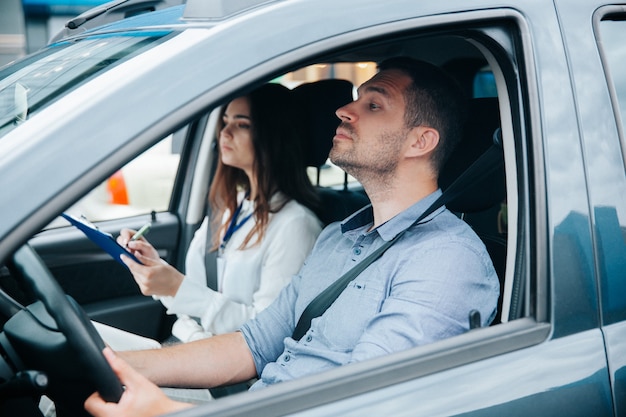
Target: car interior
480	201
483	203
318	101
488	203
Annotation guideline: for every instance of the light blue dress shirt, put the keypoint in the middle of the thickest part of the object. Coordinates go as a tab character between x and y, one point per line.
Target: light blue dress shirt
420	291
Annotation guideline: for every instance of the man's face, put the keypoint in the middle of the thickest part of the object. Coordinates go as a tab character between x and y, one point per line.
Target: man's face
372	133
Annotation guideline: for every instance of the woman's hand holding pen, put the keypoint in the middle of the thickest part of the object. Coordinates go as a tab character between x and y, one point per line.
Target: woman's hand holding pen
137	247
155	276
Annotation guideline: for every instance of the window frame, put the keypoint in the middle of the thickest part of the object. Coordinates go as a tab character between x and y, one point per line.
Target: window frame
530	266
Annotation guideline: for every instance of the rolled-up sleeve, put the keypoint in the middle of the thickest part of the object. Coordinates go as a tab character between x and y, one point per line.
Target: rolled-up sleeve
265	333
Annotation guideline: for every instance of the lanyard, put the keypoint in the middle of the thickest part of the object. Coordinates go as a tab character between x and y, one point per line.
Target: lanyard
234	226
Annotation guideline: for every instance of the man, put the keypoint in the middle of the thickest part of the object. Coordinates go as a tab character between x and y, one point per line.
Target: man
394	138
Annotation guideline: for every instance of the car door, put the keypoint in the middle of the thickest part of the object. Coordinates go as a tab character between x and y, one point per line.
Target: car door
548	356
598	57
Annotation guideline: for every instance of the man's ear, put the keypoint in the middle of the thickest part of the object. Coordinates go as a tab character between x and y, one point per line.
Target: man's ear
422	141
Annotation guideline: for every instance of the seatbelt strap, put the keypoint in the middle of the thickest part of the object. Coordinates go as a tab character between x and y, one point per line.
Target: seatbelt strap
210	264
210	256
320	304
487	164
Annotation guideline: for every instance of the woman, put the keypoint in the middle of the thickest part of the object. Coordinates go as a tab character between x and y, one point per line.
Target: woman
262	224
261	189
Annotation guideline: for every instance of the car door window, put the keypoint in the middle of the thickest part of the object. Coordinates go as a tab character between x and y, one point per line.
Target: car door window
142	186
610	220
614	49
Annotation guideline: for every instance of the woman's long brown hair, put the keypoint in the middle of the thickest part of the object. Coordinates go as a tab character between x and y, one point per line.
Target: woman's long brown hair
278	164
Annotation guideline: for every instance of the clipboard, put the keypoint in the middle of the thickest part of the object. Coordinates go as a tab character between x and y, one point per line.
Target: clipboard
103	239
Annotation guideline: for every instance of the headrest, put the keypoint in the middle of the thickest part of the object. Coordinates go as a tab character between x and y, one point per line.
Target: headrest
479	133
319	101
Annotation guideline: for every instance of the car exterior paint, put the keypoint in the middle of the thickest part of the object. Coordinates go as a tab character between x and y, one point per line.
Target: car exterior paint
564	357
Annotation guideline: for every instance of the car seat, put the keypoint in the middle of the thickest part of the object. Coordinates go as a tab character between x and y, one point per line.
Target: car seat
319	101
483	204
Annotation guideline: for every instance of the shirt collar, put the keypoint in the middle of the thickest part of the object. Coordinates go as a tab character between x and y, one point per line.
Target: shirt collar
360	221
278	199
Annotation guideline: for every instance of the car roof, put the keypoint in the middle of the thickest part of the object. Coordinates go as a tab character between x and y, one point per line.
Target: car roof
164	17
109	12
135	14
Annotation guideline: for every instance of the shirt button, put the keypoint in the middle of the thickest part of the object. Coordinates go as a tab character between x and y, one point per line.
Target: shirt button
309	338
287	358
356	251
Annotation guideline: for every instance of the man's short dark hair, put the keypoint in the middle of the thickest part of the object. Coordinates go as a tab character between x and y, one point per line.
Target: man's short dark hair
434	99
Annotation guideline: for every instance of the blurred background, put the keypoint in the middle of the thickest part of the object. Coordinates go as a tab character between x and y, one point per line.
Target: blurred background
27	25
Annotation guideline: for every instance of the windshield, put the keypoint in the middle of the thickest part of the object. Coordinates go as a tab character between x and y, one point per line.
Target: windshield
33	83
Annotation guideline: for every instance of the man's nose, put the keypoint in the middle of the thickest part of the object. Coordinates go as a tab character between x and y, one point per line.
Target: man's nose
345	114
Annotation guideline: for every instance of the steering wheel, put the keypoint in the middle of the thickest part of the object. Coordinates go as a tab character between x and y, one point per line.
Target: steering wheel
71	320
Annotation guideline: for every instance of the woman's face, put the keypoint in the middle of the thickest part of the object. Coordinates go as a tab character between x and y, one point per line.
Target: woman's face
236	145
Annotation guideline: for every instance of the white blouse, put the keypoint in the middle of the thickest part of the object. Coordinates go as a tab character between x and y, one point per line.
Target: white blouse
249	279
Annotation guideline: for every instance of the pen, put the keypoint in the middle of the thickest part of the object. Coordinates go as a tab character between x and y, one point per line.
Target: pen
144	229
